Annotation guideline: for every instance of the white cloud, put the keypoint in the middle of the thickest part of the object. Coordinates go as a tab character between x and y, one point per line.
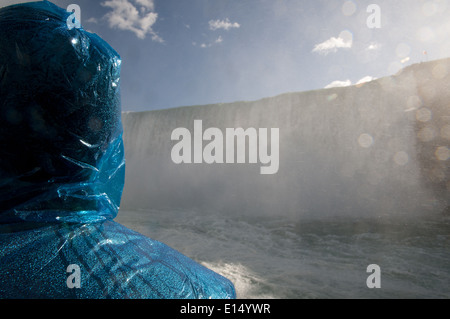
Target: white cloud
374	46
336	84
92	20
403	61
215	25
223	24
366	79
126	16
208	45
343	41
148	4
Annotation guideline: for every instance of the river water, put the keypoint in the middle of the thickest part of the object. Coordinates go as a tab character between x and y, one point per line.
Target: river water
316	258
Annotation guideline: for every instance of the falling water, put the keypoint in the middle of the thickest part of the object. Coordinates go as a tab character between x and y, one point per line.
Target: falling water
363	178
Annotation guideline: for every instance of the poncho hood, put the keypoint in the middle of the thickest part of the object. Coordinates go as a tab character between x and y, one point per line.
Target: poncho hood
61	155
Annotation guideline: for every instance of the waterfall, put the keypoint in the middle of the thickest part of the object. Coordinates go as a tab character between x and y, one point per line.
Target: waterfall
375	149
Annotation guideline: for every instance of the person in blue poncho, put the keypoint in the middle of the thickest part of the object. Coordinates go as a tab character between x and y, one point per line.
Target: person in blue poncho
62	173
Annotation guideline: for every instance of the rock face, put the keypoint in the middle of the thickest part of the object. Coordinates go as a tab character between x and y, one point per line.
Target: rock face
380	148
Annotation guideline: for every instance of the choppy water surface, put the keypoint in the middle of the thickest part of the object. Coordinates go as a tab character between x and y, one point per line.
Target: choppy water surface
279	258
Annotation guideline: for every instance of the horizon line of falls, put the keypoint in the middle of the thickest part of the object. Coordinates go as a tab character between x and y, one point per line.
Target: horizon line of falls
377	149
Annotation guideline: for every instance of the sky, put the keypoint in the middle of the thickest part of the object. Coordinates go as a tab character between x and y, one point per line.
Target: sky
194	52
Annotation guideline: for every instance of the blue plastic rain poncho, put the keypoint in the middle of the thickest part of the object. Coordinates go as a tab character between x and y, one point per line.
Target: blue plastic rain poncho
62	172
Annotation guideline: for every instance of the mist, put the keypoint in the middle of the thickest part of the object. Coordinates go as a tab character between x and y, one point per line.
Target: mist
359	151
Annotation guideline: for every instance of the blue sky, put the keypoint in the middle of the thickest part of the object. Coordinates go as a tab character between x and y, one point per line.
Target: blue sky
193	52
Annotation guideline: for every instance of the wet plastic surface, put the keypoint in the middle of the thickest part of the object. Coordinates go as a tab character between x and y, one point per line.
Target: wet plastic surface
62	171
